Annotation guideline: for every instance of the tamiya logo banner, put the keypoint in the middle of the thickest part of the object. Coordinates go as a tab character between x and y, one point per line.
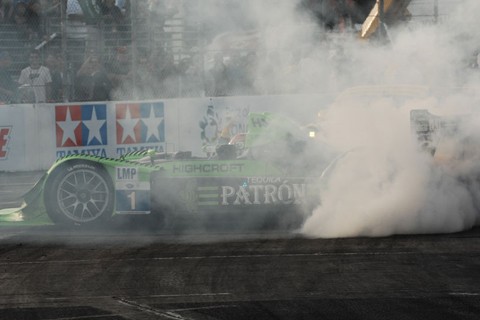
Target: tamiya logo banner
139	123
5	133
81	125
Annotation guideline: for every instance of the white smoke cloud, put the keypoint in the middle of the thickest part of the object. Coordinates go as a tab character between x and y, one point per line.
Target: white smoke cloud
389	186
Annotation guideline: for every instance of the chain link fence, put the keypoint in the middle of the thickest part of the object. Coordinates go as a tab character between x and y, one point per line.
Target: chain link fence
432	11
141	51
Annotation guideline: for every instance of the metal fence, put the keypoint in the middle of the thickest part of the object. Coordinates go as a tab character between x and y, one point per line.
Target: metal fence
146	56
432	11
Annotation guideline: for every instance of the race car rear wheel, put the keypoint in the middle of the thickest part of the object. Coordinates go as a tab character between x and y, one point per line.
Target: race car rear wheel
79	192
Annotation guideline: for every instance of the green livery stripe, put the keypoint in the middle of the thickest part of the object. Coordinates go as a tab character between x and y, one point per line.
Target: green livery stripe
207	188
208	195
208	203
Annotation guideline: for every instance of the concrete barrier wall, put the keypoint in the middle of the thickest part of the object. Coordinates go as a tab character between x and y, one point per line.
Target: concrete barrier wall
32	137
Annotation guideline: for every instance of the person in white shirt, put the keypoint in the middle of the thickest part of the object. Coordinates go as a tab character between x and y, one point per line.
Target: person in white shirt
38	77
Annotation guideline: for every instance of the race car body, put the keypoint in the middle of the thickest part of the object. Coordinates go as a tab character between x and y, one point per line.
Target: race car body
273	176
449	139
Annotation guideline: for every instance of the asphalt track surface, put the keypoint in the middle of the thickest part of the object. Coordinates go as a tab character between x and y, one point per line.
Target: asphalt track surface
52	273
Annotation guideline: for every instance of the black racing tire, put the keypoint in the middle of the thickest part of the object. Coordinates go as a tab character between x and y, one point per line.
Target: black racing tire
291	220
284	220
151	223
79	192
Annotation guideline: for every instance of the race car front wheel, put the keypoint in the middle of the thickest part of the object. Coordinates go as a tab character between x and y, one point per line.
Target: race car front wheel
79	192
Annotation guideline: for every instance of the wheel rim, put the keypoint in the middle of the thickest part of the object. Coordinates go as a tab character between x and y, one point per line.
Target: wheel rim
82	195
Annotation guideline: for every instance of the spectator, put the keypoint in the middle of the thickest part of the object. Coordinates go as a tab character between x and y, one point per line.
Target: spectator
51	15
113	19
20	20
120	74
221	78
39	14
7	85
82	26
120	3
184	74
167	76
38	77
111	14
54	9
156	61
251	70
272	74
241	72
124	28
236	71
66	77
51	63
19	11
6	11
127	9
119	69
197	80
144	79
33	14
75	32
162	69
94	84
160	12
14	35
144	30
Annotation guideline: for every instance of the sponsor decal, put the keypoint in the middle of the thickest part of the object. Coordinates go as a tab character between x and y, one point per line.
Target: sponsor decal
259	122
81	129
285	193
91	152
189	195
80	166
140	123
195	195
81	125
132	196
211	126
126	149
213	123
126	173
258	180
5	133
208	196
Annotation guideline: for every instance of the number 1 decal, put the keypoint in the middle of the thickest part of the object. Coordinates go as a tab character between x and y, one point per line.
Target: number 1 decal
131	197
132	200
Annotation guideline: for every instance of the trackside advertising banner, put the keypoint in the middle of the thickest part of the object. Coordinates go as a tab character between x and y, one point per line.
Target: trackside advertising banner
32	137
109	130
12	138
202	121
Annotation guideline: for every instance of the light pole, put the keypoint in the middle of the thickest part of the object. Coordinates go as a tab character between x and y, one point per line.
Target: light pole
65	65
381	15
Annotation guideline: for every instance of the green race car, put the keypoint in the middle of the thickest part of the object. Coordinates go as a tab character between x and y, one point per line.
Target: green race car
273	178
